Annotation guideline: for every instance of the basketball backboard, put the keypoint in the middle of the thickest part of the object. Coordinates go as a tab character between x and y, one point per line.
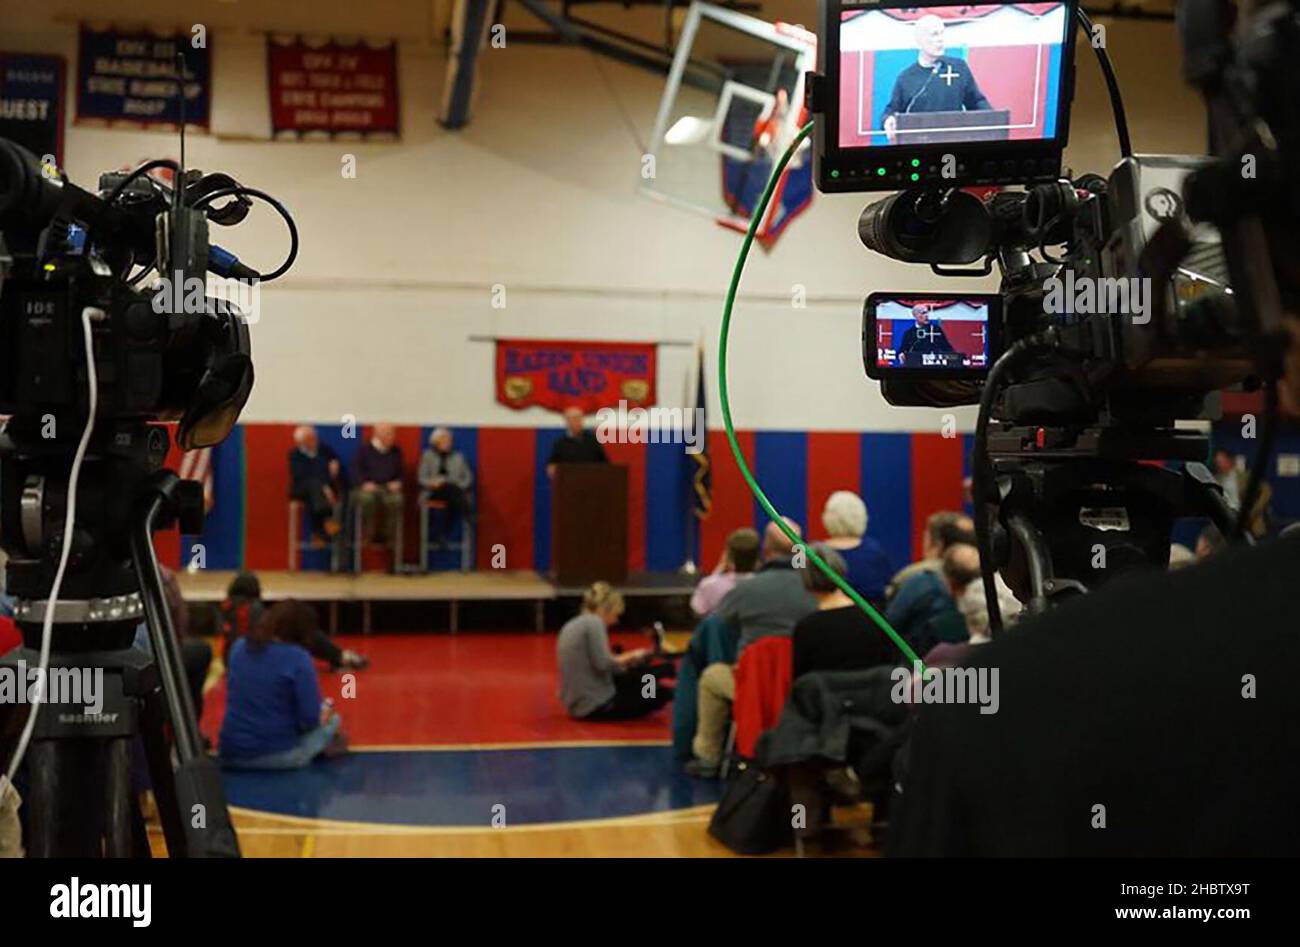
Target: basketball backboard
733	102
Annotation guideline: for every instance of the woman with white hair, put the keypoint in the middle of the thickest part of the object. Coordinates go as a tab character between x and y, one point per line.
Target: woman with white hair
845	520
445	475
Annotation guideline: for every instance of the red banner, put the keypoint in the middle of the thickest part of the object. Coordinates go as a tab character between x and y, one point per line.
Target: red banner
587	375
332	88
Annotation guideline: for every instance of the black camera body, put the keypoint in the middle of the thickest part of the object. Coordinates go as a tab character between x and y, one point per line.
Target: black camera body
1126	302
171	353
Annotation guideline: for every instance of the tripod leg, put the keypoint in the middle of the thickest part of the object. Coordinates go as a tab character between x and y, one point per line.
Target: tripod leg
158	753
65	799
122	814
200	802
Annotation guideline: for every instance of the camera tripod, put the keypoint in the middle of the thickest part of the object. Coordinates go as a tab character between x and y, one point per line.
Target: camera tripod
79	801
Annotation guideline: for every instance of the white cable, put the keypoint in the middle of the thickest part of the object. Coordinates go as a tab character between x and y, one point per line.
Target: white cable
69	521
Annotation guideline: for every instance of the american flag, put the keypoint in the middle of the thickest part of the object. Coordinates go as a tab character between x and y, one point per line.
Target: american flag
197	465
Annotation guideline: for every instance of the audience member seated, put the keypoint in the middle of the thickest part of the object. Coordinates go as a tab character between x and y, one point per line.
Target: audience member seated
577	446
445	475
1209	542
968	592
925	611
275	718
845	520
959	568
379	471
243	610
770	603
10	637
1180	556
596	683
316	481
942	529
738	560
838	636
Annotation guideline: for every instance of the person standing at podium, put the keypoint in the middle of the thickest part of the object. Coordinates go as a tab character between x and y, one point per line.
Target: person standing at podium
577	446
934	83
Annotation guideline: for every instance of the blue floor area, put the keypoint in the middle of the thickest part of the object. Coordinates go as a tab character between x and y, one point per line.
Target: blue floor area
461	787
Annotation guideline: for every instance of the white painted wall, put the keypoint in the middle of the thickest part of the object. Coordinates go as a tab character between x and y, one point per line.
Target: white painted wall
538	194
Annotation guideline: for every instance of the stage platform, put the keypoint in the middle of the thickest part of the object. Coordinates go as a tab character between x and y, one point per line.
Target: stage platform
452	588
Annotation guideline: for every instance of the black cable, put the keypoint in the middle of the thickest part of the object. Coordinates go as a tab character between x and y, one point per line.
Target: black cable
145	168
981	468
1255	482
1112	87
123	184
240	191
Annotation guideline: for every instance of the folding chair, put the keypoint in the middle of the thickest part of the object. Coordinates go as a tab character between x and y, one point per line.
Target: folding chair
465	545
297	544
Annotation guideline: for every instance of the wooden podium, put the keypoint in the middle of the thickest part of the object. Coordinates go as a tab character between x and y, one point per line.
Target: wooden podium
928	128
589	524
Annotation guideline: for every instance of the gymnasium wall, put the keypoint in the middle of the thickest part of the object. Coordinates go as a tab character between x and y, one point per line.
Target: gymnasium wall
902	476
384	315
539	195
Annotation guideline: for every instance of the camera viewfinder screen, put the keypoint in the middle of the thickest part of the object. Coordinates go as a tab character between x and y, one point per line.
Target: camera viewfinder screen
932	333
988	72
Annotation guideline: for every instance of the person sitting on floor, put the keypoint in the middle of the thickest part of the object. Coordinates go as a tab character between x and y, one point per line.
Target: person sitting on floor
316	481
770	603
445	475
839	636
596	683
738	560
243	609
845	520
275	718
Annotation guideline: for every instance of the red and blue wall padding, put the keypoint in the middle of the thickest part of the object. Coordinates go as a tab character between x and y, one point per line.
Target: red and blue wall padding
903	477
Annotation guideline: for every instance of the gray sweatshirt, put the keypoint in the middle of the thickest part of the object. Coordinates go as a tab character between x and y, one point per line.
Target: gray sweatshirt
453	469
586	664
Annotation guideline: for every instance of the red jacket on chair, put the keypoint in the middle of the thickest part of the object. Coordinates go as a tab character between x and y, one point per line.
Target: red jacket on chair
763	678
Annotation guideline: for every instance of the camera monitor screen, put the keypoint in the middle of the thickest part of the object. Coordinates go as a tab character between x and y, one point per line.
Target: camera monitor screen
985	87
930	334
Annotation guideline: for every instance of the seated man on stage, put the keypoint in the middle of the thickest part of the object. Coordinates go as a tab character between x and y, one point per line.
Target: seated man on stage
934	83
577	446
316	481
445	475
379	472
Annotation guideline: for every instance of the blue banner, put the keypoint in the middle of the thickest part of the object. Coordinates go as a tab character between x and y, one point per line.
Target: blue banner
31	103
132	78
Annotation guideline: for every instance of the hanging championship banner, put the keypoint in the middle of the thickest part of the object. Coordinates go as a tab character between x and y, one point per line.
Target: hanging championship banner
31	103
130	78
588	375
332	89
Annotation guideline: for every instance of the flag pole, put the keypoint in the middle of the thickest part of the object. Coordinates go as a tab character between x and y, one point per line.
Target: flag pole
688	566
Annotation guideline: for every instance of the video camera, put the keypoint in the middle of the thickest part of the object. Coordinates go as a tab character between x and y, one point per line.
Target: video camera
88	361
67	250
1117	316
